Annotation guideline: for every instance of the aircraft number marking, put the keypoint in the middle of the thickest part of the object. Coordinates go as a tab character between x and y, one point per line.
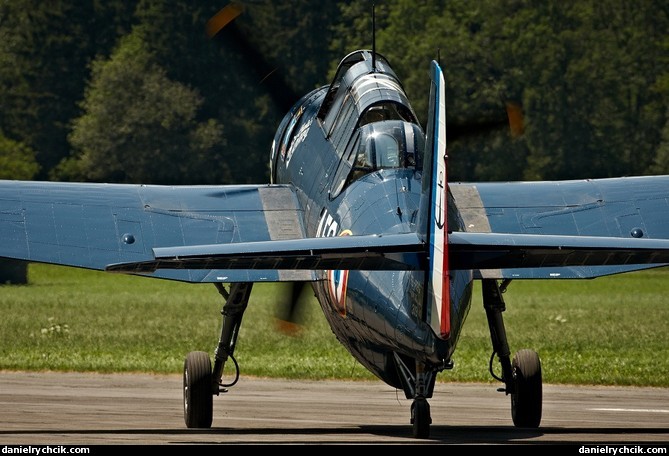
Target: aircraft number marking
337	280
327	226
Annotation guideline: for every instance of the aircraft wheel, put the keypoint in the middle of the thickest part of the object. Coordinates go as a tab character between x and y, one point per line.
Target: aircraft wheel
420	418
198	394
526	401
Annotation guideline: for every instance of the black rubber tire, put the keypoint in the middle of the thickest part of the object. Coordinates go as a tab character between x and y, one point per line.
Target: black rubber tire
198	393
526	401
420	418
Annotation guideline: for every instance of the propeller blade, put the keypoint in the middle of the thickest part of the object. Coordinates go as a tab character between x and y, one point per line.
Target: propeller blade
226	15
288	318
222	27
516	121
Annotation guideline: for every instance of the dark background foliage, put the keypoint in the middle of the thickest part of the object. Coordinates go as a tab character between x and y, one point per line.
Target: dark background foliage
122	91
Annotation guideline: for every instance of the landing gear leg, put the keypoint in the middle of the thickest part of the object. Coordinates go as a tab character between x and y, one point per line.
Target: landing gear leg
200	382
522	376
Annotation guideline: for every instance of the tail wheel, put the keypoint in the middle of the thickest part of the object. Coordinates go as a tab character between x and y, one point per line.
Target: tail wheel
527	398
420	418
198	393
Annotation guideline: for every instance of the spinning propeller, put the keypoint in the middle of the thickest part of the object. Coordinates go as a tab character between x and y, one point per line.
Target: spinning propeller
222	27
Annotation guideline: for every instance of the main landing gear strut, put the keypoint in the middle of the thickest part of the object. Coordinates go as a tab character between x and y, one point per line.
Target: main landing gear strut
200	382
522	376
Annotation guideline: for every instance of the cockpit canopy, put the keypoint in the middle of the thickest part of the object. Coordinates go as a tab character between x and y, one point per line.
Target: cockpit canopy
367	118
388	144
379	145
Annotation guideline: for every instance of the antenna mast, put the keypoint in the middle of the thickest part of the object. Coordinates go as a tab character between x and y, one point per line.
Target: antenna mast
373	37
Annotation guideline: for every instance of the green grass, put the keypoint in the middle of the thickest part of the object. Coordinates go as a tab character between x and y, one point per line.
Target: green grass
609	331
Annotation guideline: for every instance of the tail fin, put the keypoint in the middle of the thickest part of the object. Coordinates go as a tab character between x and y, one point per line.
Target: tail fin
432	222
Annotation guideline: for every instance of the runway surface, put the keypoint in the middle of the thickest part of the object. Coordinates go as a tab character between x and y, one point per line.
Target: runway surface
95	409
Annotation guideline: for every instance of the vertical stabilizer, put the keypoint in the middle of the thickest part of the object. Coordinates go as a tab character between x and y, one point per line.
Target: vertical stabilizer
432	222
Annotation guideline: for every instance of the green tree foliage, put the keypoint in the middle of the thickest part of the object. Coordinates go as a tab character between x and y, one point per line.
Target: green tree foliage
249	75
661	162
139	126
45	48
591	77
588	76
410	35
17	161
287	54
293	38
589	72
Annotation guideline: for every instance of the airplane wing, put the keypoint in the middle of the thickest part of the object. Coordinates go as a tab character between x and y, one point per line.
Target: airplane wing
94	225
251	233
566	229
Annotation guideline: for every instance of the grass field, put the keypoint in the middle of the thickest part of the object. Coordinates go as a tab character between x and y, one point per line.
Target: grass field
608	331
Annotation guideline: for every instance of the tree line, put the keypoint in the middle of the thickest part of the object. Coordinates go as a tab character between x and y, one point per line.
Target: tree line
122	91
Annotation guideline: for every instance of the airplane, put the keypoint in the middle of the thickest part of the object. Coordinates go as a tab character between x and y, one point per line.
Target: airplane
359	207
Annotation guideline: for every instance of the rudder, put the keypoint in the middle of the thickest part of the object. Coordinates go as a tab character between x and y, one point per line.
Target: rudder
432	221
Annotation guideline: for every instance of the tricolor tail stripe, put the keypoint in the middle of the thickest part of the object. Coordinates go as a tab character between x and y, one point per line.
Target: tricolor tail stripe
438	277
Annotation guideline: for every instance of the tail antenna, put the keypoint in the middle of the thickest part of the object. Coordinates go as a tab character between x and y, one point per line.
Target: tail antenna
373	37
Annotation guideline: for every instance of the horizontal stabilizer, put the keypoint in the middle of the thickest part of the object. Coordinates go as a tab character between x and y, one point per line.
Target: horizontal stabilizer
520	255
371	252
482	251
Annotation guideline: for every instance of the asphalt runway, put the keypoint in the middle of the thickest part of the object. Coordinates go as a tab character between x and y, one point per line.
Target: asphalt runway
115	409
